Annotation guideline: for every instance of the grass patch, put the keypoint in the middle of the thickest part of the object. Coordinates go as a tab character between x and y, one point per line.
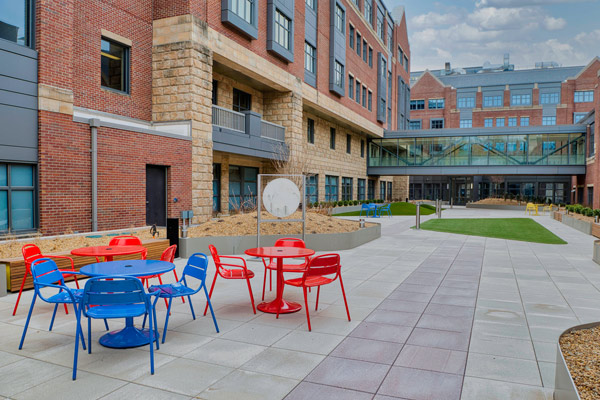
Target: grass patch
523	229
400	208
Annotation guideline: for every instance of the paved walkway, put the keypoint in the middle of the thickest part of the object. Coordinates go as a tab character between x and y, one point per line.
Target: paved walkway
434	316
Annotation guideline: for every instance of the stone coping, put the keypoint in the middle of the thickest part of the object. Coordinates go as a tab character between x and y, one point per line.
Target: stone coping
564	387
316	241
496	207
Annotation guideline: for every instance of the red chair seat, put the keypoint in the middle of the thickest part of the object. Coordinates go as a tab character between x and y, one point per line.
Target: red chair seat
236	273
288	267
311	281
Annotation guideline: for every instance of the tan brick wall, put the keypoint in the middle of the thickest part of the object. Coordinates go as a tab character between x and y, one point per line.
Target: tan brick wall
225	88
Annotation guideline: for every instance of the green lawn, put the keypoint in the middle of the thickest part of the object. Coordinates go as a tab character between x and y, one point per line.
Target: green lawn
400	208
523	229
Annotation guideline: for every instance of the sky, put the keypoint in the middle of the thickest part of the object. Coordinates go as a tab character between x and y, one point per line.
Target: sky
469	33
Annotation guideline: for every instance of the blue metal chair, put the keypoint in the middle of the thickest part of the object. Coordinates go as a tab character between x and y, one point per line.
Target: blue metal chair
384	209
117	297
368	208
196	268
46	275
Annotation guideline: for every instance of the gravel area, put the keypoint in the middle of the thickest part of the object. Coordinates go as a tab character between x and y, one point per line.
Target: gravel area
581	350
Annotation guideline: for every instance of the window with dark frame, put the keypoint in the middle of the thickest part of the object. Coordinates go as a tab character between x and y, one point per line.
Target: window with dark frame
242	101
114	65
437	123
361	189
358	41
369	11
282	30
362	148
371	57
16	20
348	143
370	189
216	186
364	96
338	75
346	188
310	58
331	188
339	18
312	188
358	92
370	101
365	50
351	37
215	87
17	197
245	9
351	86
332	138
310	131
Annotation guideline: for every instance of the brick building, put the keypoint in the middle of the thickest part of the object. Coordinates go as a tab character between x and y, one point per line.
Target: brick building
499	97
119	114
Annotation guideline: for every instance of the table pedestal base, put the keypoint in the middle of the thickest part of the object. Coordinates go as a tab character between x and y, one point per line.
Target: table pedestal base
286	307
130	336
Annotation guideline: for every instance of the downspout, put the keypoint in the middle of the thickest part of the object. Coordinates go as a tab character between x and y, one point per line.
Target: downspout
94	124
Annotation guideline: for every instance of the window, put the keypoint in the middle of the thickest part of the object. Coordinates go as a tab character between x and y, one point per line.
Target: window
499	121
282	30
14	21
524	121
488	122
358	41
590	193
406	62
382	190
346	188
312	188
400	55
361	189
338	75
331	188
332	138
348	143
215	86
436	124
310	58
216	186
364	96
362	148
436	104
310	131
390	38
592	140
370	101
520	100
242	101
492	101
114	66
351	37
311	4
356	4
389	191
548	120
380	32
17	197
371	57
350	86
512	121
549	98
578	117
244	9
417	104
466	102
369	11
365	46
371	189
242	187
414	125
339	18
584	96
466	123
358	92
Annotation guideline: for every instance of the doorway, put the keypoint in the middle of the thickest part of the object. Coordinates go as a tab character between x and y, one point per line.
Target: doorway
156	195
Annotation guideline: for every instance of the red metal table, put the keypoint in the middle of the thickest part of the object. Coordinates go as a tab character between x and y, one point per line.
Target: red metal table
279	253
107	251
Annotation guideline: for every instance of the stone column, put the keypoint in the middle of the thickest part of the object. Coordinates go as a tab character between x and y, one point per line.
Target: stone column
225	184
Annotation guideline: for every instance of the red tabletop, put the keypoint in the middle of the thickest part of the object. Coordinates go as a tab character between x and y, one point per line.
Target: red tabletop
279	253
107	251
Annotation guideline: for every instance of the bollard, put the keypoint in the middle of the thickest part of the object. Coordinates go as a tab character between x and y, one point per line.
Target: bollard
361	222
440	210
418	225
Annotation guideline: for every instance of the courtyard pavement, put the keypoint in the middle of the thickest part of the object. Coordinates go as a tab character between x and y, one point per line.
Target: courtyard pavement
434	316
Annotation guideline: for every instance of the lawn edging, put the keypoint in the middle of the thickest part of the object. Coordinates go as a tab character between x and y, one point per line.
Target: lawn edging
315	241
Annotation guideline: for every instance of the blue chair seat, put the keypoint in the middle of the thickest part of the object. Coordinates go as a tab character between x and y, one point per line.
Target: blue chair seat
117	311
171	290
64	297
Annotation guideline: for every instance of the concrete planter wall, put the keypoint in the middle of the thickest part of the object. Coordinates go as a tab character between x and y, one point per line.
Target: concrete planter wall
596	256
496	207
564	387
338	210
318	242
582	226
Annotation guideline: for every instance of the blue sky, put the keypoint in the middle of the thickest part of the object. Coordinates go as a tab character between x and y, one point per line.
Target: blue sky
469	33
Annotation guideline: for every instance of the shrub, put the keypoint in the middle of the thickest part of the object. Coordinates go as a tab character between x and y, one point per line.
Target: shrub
355	202
505	195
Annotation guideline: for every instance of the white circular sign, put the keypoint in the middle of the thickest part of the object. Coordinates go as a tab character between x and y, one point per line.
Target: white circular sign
281	197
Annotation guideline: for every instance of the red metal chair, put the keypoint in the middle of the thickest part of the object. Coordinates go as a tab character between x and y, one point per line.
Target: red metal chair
31	253
236	271
169	256
128	240
317	274
272	265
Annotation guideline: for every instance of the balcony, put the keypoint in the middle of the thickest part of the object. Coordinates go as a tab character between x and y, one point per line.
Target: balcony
247	134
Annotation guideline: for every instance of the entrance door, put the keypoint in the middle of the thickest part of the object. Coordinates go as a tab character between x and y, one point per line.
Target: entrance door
156	195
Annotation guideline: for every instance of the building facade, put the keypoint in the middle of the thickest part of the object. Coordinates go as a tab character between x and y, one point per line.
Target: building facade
121	114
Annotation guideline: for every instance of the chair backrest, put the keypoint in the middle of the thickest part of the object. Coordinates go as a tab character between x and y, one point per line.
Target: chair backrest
196	266
290	242
114	290
386	207
325	264
365	206
169	254
45	272
31	253
126	240
215	255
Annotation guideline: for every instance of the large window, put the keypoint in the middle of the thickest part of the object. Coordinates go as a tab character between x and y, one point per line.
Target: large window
244	9
312	188
15	18
17	197
492	101
371	57
380	31
436	104
437	123
332	138
520	100
584	96
351	37
499	121
488	122
364	96
592	140
549	98
369	11
512	121
524	121
358	42
358	92
382	190
310	130
242	187
282	30
114	65
331	188
361	189
371	189
417	104
242	101
339	18
414	125
578	116
312	4
216	184
466	102
365	51
362	148
338	75
348	143
548	120
350	86
467	123
370	100
346	188
310	58
390	38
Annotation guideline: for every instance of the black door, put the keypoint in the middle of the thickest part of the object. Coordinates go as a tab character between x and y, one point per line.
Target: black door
156	195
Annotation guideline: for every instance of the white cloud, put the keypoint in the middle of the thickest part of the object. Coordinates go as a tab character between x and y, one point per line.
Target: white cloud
491	18
554	24
433	19
523	3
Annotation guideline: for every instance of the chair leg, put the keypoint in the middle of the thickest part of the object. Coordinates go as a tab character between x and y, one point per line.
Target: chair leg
167	320
270	280
211	309
76	282
191	306
157	335
89	335
76	352
53	315
251	295
306	306
265	282
344	294
27	322
152	339
106	324
318	292
66	309
177	280
21	290
211	291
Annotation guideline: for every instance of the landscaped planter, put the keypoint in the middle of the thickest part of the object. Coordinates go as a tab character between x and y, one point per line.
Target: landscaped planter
564	387
496	207
582	226
317	242
596	256
344	209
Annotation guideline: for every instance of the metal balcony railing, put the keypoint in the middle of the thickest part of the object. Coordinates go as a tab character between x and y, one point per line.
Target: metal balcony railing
228	119
272	131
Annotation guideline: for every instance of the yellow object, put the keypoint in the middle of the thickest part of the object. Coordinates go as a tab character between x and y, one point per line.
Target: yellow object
530	208
548	208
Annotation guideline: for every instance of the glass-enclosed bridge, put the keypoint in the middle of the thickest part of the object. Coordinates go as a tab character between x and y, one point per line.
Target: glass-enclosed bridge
532	150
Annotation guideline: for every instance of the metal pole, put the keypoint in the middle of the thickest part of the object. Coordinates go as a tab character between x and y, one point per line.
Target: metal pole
303	207
439	209
259	205
94	124
418	226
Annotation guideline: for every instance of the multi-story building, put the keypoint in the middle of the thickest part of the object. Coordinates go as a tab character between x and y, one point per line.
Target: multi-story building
500	98
120	114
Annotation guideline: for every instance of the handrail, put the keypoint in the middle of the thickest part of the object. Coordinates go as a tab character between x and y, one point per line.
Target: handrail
228	119
272	131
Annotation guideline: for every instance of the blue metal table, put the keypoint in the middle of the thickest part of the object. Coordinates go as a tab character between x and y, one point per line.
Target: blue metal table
130	336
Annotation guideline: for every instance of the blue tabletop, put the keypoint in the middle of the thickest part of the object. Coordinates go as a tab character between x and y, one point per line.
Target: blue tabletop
127	268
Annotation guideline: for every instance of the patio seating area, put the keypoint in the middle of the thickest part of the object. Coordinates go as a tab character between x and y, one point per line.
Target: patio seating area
433	315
